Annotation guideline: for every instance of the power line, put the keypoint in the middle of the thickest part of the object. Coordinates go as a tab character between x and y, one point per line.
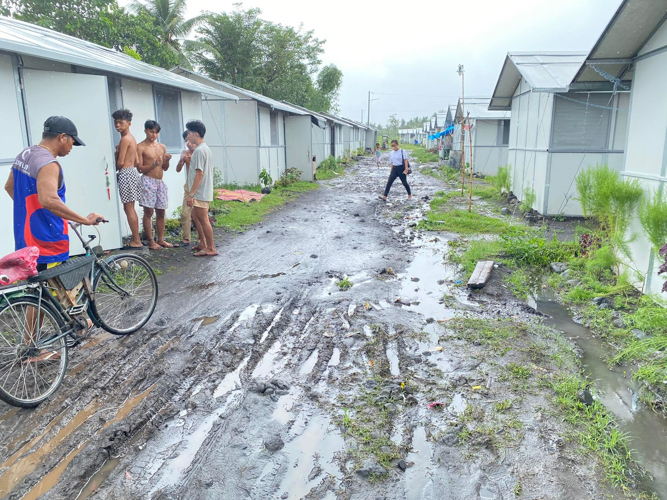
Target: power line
415	95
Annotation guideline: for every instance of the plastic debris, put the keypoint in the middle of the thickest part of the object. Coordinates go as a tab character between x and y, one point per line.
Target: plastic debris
476	387
458	282
437	348
435	404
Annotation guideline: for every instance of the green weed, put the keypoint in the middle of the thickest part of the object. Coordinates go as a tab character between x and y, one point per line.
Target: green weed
345	284
462	222
528	200
517	371
503	406
596	430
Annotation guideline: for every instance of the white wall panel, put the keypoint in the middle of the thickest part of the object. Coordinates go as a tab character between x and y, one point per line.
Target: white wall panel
138	98
11	136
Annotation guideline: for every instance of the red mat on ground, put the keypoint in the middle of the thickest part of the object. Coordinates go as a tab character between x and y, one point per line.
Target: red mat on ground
239	195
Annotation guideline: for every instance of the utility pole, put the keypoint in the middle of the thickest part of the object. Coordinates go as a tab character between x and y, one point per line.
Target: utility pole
461	73
362	116
369	108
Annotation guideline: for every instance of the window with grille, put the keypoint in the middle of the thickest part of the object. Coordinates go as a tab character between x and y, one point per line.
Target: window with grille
578	126
168	115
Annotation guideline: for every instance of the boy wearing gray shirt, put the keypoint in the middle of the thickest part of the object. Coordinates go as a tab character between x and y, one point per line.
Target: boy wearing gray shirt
200	188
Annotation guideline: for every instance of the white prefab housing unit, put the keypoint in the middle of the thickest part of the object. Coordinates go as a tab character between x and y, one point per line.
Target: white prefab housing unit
336	126
557	129
489	131
634	47
319	148
45	73
256	133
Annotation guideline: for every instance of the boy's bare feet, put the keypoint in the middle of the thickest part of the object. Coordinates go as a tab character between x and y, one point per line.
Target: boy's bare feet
165	244
154	246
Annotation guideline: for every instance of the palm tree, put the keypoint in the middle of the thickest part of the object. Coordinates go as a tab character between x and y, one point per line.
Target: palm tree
169	17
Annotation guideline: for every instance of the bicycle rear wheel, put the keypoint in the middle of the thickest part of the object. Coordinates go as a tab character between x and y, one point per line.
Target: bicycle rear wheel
125	292
31	367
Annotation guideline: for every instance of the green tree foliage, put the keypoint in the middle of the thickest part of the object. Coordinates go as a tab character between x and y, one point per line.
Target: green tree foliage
102	22
169	18
274	60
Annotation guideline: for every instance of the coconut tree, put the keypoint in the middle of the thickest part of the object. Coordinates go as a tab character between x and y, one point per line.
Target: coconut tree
169	16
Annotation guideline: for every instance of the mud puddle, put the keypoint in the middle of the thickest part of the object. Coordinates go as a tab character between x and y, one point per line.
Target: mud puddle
310	457
426	280
619	393
98	478
418	482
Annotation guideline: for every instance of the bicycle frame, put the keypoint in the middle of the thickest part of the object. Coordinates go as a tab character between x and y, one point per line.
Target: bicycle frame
43	292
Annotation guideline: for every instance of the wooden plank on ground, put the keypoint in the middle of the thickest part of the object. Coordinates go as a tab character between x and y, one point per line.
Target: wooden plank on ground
481	274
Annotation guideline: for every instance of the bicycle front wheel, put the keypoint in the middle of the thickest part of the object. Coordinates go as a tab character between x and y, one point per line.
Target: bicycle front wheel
125	293
32	366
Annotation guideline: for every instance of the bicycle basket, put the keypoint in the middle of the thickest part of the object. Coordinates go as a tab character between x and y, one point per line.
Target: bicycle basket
71	273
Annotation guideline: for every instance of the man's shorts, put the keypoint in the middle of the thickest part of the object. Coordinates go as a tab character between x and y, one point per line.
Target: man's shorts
201	204
129	185
153	193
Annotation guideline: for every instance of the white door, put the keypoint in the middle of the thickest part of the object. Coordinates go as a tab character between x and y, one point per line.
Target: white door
84	100
299	145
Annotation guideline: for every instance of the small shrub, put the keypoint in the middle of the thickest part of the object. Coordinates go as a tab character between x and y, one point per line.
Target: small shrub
603	259
265	178
217	178
528	200
503	180
653	217
290	176
608	198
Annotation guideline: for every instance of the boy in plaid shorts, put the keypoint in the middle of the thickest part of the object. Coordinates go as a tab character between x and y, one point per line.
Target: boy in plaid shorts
153	161
129	180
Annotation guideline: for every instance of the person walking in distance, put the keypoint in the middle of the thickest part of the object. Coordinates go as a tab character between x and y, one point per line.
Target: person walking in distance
129	180
153	162
186	210
377	154
200	187
399	168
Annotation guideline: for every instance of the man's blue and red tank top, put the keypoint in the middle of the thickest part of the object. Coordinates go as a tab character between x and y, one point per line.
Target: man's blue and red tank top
33	224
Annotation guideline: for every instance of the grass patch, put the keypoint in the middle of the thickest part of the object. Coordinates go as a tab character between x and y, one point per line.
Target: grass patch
475	251
447	174
236	215
495	334
462	222
420	154
595	430
330	169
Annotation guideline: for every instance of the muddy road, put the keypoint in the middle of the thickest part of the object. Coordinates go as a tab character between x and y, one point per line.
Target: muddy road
260	378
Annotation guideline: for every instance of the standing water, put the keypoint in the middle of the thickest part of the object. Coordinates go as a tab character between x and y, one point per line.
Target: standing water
619	393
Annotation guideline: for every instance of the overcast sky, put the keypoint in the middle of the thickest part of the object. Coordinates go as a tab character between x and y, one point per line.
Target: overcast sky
413	48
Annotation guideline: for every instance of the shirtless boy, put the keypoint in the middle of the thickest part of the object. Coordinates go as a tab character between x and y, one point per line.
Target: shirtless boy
153	161
129	180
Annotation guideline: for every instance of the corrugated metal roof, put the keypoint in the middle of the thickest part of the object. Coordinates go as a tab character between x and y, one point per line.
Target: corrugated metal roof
544	72
24	38
478	107
279	105
631	27
337	119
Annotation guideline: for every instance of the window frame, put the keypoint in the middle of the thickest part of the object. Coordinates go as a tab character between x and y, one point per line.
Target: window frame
179	146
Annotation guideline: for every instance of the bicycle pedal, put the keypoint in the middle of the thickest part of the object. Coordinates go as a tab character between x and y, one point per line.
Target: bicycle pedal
76	310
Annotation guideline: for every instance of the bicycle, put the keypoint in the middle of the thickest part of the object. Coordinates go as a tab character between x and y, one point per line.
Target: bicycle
117	293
